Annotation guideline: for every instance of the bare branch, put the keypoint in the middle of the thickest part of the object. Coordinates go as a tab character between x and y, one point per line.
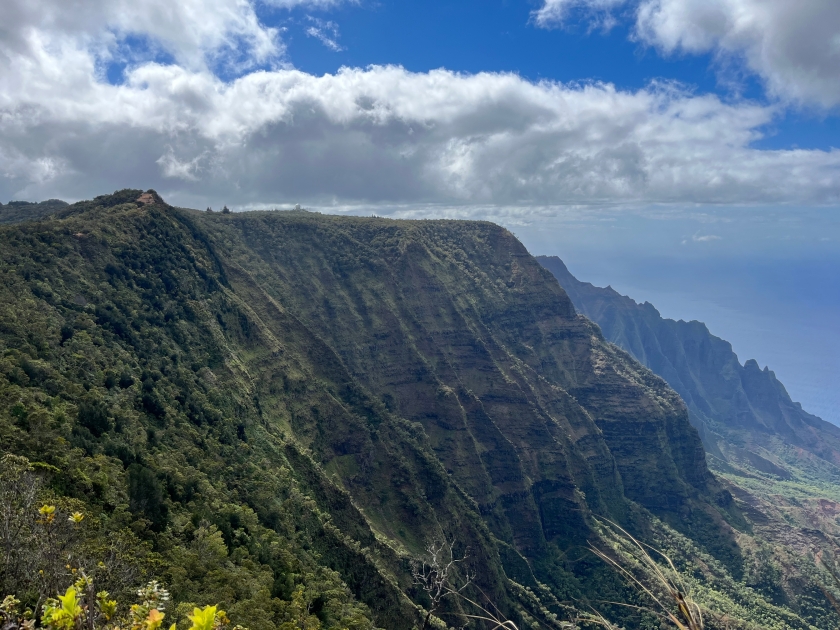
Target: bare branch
435	572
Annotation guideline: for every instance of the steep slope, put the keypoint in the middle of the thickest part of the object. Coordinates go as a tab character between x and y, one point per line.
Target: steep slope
780	462
743	413
498	364
312	400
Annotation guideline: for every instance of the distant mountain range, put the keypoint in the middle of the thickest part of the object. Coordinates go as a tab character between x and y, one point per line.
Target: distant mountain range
743	413
20	211
781	463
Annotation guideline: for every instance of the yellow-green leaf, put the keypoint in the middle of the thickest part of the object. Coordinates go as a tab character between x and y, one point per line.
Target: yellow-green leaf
203	619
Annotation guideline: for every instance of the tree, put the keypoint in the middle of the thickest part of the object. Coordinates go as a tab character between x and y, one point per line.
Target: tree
434	574
37	538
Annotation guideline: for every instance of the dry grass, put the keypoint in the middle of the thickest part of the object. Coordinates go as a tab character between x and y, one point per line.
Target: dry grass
678	607
497	619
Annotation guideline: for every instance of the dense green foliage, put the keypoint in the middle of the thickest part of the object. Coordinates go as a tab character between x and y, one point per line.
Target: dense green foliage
781	463
136	429
20	211
278	412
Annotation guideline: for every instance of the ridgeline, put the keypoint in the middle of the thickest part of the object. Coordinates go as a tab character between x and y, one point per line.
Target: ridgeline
281	411
780	462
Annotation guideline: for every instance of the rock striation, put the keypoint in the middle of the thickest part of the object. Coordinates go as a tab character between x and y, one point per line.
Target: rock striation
323	397
743	413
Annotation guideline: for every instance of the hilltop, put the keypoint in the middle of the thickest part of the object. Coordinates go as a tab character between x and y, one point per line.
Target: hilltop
21	211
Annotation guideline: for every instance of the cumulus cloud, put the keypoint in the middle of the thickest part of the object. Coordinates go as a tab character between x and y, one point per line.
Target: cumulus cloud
379	135
793	45
386	135
192	31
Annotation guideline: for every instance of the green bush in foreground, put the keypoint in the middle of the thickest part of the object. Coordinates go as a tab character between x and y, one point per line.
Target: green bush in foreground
83	608
48	540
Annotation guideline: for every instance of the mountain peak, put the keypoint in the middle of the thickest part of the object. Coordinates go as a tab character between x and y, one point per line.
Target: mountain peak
124	196
150	197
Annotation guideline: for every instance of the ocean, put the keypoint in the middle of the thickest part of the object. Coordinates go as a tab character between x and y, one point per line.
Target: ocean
772	289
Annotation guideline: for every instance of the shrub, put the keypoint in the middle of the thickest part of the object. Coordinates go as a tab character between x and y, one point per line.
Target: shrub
83	608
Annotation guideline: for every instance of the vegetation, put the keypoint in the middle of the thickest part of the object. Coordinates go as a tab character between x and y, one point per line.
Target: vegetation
19	211
667	590
83	608
277	413
779	462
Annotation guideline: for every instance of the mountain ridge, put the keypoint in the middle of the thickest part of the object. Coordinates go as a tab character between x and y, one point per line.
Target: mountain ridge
724	396
325	396
778	461
22	211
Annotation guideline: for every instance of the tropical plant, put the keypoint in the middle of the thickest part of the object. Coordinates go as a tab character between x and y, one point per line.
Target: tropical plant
82	607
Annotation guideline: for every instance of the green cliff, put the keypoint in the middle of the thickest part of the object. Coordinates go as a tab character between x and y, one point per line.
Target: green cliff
272	406
780	462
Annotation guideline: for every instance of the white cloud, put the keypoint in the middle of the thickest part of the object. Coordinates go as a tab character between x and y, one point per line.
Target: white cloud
793	45
380	135
192	31
386	135
325	31
171	166
196	33
706	238
555	12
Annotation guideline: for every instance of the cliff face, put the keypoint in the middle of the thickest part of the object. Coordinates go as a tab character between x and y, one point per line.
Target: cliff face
743	413
456	327
780	462
332	395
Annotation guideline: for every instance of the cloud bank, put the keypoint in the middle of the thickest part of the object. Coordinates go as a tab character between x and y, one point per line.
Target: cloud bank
43	35
379	135
793	45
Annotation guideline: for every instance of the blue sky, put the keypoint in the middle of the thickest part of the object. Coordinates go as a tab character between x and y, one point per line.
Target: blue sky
500	35
682	150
